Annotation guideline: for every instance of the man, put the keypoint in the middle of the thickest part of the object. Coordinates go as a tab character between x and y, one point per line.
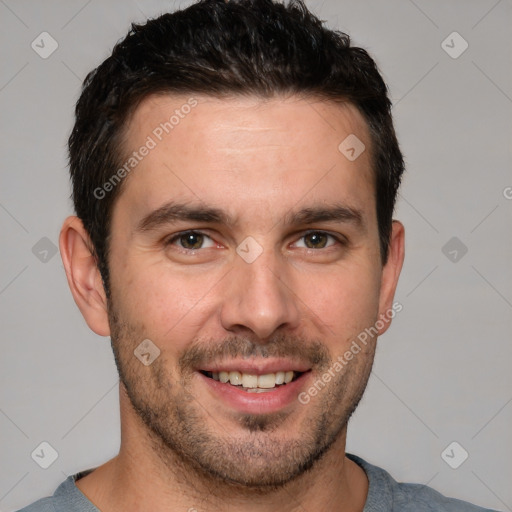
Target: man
234	171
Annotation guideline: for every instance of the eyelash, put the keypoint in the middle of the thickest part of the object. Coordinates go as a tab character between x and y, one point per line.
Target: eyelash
177	236
339	239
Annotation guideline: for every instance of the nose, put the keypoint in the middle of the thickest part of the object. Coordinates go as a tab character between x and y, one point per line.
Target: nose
259	299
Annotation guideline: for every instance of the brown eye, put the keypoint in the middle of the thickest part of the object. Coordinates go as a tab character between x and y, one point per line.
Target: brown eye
316	240
191	241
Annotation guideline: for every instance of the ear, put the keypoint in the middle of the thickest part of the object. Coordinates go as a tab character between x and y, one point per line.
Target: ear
83	276
390	274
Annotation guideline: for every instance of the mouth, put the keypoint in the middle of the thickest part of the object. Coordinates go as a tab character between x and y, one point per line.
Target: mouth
253	387
253	383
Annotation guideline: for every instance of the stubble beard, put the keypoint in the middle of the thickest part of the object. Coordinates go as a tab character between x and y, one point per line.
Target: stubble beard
182	435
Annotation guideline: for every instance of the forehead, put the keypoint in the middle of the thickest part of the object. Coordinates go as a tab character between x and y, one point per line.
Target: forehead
274	152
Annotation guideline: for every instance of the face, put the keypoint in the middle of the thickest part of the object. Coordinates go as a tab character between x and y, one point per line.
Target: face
245	247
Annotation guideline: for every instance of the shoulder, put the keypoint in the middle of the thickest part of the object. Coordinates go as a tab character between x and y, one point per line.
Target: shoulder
42	505
387	495
420	497
67	498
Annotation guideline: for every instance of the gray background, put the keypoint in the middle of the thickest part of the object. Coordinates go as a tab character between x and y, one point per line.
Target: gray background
442	372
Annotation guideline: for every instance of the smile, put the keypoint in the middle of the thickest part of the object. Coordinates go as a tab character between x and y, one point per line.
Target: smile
255	386
254	383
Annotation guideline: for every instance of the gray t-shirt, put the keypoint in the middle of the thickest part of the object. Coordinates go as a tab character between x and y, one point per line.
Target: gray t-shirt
384	495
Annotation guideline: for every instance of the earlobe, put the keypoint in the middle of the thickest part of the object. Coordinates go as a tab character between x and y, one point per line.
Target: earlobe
390	275
83	276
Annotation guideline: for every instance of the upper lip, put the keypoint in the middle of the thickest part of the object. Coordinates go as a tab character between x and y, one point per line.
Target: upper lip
256	367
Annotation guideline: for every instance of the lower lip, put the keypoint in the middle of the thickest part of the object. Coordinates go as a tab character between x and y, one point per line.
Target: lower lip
256	403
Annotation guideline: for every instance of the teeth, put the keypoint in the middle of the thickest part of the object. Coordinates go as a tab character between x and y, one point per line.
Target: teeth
254	382
267	381
279	378
235	378
249	381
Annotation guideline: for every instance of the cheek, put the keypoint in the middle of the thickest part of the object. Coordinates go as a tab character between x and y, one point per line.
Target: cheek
170	305
345	301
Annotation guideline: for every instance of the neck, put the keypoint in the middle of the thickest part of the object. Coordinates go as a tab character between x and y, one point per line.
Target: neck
147	476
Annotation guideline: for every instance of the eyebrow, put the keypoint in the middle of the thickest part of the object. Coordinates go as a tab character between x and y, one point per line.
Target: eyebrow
335	213
173	212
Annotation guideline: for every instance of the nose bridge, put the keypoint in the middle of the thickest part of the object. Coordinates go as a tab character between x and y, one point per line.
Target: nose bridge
258	298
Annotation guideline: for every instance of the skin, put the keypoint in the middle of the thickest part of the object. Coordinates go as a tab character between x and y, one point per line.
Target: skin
304	299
